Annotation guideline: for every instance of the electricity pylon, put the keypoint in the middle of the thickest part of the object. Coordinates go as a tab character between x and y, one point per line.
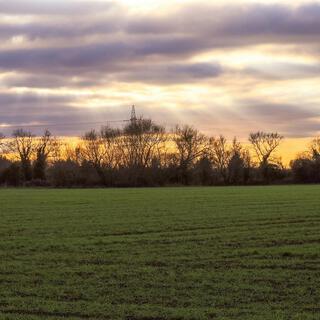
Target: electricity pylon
133	118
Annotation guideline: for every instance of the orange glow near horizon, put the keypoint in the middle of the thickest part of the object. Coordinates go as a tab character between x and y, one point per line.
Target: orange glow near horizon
288	150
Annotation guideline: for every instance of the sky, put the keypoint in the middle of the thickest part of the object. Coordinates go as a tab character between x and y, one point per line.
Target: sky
229	67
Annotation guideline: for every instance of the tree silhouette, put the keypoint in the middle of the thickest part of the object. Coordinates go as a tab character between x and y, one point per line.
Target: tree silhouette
142	153
2	144
264	145
315	148
142	140
190	145
23	145
46	146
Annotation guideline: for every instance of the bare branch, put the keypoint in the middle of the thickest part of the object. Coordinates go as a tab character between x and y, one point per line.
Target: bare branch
264	145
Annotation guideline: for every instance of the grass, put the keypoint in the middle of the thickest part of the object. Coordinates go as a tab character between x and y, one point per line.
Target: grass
184	253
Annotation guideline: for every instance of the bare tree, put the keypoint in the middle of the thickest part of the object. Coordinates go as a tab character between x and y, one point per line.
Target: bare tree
239	164
315	148
264	145
111	138
99	149
23	145
142	141
227	158
92	150
46	147
220	154
72	153
2	144
190	145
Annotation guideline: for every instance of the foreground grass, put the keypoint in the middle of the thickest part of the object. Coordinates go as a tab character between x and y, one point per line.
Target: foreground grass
189	253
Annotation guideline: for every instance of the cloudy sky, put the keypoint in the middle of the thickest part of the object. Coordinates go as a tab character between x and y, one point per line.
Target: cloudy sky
226	67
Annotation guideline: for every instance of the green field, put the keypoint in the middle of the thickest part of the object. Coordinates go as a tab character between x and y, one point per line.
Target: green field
171	253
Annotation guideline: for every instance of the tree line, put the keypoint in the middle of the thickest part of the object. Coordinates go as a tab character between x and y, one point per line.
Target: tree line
143	153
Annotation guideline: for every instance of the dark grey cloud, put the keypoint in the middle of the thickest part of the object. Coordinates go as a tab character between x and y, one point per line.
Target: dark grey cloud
81	57
58	29
251	20
36	81
274	20
8	100
97	55
168	74
90	66
173	73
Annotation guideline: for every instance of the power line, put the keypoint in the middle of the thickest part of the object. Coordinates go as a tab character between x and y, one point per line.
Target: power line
133	117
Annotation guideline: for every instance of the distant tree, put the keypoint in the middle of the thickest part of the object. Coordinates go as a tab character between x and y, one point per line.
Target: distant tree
45	147
236	169
190	145
240	164
2	144
4	165
306	167
247	162
64	173
23	145
230	160
12	175
72	153
204	171
100	149
303	170
315	148
93	151
221	154
142	154
264	145
111	138
142	141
